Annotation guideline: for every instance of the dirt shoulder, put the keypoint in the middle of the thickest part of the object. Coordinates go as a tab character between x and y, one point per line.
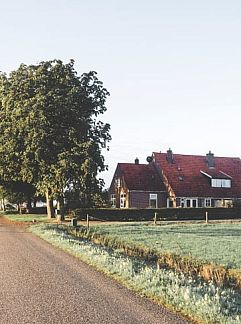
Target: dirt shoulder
6	221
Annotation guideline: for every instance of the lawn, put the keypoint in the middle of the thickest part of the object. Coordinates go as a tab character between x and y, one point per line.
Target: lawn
217	243
27	217
205	302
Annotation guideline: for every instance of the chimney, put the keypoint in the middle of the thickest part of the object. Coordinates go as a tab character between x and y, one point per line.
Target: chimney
149	159
136	161
170	158
210	159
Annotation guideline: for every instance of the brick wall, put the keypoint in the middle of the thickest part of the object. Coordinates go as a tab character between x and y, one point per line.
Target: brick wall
140	199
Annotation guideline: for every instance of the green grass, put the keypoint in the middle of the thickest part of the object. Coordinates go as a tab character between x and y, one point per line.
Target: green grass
27	217
217	243
205	302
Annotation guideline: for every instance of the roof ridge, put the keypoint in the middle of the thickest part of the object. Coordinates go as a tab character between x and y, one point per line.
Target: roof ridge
195	155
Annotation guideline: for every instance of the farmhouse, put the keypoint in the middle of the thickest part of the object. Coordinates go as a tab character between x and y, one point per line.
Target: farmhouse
177	180
137	185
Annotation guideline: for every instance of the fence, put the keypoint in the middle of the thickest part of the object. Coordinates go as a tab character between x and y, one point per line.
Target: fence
168	214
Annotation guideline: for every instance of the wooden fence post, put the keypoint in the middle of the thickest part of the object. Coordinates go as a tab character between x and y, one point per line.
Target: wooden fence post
87	221
206	217
155	218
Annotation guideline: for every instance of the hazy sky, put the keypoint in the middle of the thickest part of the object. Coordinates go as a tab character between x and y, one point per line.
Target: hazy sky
173	67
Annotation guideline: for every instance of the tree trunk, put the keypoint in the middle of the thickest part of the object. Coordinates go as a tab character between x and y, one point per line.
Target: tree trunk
29	206
50	207
3	204
60	209
19	208
34	203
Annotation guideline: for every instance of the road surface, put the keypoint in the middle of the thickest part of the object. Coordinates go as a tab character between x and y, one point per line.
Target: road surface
41	284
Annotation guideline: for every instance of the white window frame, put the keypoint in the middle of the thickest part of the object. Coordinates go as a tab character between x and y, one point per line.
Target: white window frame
196	200
207	202
226	183
221	183
183	202
186	201
123	200
152	197
118	182
113	200
170	202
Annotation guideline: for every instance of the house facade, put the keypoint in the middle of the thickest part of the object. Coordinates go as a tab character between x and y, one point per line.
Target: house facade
137	185
177	180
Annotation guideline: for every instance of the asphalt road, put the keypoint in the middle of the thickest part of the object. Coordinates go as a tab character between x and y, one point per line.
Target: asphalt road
41	284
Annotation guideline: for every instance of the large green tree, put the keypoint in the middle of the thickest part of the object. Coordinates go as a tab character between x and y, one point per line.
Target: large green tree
50	134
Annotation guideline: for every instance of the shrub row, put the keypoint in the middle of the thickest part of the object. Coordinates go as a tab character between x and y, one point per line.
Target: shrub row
10	212
34	210
168	214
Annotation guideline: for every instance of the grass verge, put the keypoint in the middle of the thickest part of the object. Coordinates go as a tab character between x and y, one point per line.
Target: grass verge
200	300
152	244
25	218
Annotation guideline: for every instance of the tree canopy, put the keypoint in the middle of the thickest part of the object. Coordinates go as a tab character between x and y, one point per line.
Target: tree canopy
50	134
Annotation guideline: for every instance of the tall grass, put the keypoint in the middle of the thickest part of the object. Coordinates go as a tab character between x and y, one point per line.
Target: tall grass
205	302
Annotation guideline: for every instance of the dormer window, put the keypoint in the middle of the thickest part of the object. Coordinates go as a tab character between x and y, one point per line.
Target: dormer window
221	183
219	179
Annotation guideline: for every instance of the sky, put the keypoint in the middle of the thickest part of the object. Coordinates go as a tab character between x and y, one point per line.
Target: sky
173	68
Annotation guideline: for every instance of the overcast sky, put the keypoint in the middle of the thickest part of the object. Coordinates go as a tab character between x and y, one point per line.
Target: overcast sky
173	68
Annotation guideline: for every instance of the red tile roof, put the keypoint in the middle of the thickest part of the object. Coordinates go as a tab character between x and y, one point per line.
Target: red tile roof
216	174
142	177
186	180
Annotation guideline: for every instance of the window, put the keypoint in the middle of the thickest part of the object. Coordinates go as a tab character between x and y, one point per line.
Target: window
153	201
113	200
208	202
182	203
123	200
171	203
118	182
188	203
221	183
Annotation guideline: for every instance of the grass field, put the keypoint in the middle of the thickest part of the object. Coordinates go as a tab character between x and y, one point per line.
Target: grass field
27	217
216	243
205	302
203	298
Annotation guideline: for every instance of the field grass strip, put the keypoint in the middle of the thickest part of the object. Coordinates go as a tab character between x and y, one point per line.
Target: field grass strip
204	302
220	275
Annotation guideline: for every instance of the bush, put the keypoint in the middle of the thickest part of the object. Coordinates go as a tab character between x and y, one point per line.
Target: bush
237	204
39	210
11	212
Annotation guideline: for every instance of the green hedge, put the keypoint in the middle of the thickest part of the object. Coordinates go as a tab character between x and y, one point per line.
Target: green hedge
34	210
10	212
38	210
172	214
